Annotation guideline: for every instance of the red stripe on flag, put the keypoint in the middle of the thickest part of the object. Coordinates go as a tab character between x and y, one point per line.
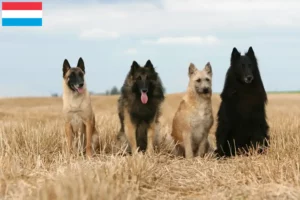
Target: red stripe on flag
21	5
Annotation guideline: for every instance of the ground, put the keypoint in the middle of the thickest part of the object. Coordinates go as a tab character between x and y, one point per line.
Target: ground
34	163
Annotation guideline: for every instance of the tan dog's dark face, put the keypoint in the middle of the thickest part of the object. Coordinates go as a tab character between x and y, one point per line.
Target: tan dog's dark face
74	76
201	81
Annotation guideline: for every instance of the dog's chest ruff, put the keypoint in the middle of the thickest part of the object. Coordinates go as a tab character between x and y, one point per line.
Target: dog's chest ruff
201	120
200	115
76	110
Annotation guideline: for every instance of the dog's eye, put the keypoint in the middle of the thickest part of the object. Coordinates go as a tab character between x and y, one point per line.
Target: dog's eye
207	79
198	80
70	76
80	74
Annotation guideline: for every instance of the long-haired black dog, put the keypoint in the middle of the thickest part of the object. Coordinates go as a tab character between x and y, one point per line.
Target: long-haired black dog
139	106
242	121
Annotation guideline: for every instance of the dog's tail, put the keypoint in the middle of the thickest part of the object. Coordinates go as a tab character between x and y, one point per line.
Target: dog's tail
141	136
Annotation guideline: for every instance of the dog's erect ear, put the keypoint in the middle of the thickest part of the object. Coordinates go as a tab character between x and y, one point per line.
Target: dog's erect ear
192	69
149	65
66	67
235	54
208	68
80	64
134	67
250	53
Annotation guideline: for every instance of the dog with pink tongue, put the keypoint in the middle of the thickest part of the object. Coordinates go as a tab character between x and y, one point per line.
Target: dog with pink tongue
80	125
139	107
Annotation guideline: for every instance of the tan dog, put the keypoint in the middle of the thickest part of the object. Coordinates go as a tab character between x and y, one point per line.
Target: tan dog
194	117
77	108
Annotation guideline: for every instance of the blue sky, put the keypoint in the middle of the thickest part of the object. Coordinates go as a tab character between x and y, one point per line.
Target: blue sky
109	35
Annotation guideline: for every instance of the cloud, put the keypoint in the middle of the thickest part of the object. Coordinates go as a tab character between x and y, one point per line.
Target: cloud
98	34
131	51
145	19
190	40
231	5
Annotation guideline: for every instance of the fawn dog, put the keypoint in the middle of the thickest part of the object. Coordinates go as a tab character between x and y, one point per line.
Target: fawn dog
194	117
77	108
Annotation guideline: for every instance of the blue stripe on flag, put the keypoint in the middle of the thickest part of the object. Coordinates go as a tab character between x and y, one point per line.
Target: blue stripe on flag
22	21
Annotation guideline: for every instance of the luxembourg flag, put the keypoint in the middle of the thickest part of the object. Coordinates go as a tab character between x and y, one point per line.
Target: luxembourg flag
22	14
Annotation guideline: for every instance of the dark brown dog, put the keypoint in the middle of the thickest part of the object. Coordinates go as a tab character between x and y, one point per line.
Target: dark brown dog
139	107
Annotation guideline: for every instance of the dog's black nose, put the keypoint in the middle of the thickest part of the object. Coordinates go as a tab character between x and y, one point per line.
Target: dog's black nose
144	90
205	90
81	85
249	79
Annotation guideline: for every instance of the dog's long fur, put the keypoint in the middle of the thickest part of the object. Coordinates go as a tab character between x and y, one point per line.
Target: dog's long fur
139	121
194	117
77	108
242	116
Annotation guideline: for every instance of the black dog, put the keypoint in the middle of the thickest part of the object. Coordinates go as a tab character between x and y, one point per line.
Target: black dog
242	117
139	106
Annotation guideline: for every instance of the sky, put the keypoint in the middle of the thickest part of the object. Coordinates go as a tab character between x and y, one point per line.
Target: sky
110	34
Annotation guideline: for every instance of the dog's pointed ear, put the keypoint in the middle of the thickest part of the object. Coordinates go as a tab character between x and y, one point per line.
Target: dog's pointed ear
80	64
192	69
250	53
134	67
235	54
208	69
149	65
66	67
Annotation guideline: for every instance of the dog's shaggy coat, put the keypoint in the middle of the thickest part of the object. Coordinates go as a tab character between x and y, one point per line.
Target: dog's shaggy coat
194	116
139	107
242	117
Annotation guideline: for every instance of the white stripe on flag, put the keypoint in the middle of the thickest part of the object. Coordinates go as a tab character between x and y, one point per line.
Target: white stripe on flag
22	14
